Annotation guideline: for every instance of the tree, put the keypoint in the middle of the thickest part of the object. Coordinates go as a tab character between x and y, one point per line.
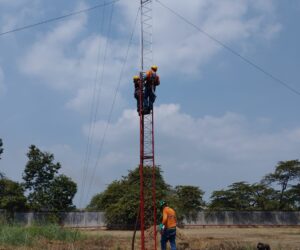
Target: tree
264	198
286	172
189	201
96	203
112	194
293	196
47	191
62	190
11	196
243	196
237	197
221	200
120	200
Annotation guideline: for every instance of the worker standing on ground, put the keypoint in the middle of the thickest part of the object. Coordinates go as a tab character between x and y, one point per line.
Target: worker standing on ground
151	81
168	226
136	82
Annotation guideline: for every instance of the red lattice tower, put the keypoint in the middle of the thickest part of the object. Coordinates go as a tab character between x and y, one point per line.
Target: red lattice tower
147	156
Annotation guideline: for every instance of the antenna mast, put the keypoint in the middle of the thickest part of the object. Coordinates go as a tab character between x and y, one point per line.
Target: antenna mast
147	157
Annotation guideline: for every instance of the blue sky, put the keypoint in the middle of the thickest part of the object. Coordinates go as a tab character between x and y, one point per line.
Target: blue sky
218	120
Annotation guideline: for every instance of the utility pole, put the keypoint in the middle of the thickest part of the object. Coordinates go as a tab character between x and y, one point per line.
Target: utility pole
147	156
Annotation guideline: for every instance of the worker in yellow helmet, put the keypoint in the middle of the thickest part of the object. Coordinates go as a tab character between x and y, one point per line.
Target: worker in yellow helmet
154	68
151	81
136	82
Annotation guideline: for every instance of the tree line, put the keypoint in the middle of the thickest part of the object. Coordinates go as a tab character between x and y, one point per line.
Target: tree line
44	189
277	191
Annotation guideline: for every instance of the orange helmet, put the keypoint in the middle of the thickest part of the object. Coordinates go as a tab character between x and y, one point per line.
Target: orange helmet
154	68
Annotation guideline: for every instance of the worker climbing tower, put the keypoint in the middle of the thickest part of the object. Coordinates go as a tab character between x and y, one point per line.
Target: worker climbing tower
147	156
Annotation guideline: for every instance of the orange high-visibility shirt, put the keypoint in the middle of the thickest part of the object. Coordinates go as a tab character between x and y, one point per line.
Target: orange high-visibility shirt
169	217
155	80
149	73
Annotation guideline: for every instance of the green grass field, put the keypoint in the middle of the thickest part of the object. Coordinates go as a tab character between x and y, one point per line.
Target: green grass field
27	237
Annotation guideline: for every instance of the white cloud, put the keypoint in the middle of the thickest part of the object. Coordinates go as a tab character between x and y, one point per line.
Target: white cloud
48	58
209	151
66	61
65	58
26	9
230	21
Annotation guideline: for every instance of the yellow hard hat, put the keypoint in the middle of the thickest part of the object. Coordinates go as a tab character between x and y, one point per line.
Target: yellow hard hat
154	67
136	78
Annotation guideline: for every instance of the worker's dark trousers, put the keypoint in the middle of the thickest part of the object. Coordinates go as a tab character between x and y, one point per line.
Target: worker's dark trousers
168	235
136	96
149	98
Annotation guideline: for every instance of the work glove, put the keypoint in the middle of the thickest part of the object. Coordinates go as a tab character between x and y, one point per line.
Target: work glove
161	227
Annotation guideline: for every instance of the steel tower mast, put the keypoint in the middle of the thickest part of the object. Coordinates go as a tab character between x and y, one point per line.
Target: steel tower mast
147	156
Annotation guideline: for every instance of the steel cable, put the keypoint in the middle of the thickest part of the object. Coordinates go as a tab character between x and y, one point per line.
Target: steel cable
234	52
113	104
29	26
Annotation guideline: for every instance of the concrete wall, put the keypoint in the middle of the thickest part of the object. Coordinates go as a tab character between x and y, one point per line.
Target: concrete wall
96	219
71	219
247	218
86	219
